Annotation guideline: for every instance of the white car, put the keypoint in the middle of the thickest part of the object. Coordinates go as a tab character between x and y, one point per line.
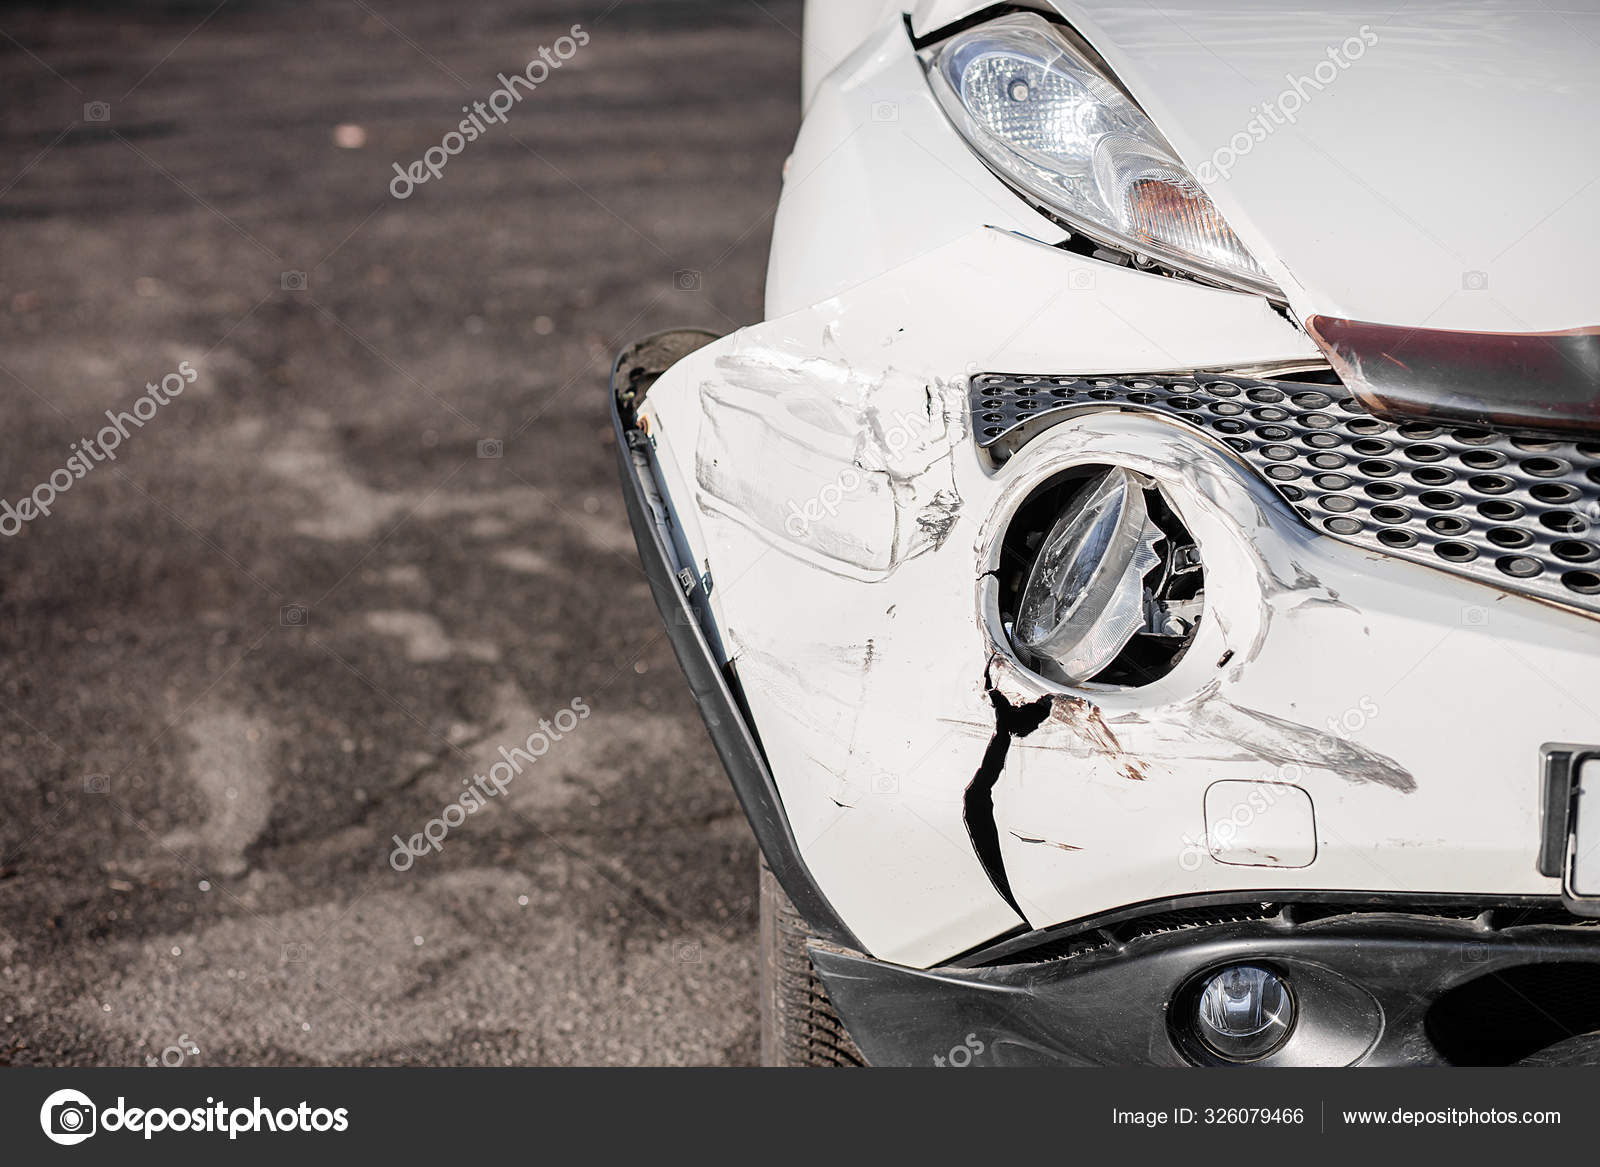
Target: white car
1143	576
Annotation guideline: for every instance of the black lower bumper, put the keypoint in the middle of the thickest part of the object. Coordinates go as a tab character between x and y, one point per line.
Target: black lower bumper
679	593
1377	986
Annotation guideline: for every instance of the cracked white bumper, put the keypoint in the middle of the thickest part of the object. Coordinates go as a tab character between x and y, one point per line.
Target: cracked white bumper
821	470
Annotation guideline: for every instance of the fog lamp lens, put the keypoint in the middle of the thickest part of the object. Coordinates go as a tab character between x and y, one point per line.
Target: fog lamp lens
1244	1012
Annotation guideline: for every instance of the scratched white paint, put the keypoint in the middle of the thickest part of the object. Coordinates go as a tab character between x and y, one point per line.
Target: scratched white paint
863	637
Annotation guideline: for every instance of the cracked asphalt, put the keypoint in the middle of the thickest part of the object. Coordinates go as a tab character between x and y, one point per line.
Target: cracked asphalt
376	540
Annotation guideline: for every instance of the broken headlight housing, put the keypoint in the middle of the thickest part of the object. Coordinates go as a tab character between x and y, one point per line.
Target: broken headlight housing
1100	583
1046	118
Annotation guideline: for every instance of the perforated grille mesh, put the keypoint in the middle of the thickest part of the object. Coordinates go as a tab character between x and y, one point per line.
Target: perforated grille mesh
1515	512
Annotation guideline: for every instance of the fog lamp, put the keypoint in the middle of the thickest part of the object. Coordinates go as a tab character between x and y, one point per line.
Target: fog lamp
1244	1012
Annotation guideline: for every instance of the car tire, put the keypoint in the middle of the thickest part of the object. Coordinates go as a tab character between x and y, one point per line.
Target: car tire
798	1024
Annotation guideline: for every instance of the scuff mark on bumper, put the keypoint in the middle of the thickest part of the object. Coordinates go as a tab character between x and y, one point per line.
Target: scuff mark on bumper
1045	842
1084	719
1287	743
852	473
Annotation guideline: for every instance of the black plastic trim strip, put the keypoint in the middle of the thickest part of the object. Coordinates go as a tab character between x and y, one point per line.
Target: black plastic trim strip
994	12
1560	771
1018	945
1561	763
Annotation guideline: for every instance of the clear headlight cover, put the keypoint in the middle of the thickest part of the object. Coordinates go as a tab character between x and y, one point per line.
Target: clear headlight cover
1084	599
1037	111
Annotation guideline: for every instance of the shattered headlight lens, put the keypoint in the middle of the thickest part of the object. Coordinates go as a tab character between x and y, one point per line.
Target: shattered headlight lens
1084	597
1114	590
1033	106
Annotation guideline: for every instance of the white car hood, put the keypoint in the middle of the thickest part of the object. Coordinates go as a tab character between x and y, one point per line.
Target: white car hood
1447	178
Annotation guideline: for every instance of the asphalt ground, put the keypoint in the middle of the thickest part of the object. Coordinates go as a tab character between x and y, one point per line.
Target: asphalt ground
377	538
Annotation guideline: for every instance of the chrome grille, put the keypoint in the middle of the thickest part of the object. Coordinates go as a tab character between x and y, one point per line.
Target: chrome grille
1516	512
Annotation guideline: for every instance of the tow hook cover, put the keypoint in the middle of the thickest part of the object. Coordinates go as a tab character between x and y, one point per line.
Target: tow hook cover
1261	824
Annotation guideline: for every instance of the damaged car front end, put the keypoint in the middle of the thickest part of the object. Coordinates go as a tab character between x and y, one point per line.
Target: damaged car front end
1122	658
